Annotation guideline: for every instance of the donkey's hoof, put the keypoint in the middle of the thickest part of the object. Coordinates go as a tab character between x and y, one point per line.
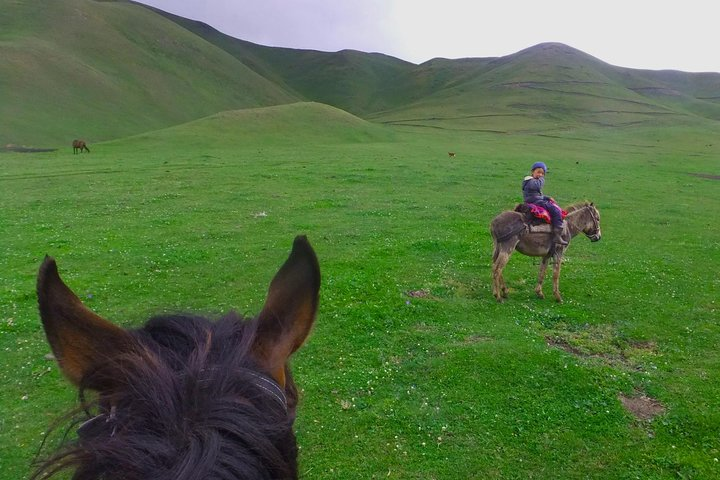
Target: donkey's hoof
540	295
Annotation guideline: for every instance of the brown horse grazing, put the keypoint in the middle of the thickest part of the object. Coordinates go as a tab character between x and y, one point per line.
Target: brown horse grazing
183	397
510	232
451	154
79	146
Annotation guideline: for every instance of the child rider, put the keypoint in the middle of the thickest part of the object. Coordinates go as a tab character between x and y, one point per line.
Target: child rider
532	193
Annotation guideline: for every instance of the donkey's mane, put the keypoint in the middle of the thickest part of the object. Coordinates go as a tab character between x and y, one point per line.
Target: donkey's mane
577	206
187	405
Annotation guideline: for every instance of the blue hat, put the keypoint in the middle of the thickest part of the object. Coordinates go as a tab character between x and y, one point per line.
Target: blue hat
539	165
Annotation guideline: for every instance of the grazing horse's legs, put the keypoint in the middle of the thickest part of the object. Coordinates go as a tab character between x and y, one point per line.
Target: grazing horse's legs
541	277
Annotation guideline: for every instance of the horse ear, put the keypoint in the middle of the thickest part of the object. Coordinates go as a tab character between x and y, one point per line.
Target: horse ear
80	340
289	312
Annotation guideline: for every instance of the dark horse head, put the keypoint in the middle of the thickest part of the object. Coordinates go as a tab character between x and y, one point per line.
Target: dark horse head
183	397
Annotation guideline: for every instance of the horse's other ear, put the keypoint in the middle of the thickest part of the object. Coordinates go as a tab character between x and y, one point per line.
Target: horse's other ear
289	312
80	340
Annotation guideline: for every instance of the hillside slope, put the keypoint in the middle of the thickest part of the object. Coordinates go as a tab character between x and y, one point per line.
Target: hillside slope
355	81
306	122
555	87
549	85
102	70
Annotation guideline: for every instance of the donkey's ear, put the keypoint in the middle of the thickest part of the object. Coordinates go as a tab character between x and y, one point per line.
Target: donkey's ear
289	312
81	340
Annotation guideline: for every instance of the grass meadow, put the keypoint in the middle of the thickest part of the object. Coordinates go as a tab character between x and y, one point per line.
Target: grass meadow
413	370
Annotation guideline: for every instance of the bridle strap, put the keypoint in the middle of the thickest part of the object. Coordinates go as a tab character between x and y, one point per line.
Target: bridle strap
596	222
99	421
270	386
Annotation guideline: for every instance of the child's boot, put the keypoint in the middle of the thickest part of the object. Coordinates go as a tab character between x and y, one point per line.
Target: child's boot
557	236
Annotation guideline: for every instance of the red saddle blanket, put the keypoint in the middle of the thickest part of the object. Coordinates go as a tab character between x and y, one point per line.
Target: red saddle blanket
540	212
536	211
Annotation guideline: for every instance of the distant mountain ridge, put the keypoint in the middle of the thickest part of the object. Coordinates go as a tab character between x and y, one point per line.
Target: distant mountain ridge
114	68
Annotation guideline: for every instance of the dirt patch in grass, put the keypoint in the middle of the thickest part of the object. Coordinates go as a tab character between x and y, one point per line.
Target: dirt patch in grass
647	346
418	293
426	294
641	406
23	149
706	175
604	343
473	339
564	345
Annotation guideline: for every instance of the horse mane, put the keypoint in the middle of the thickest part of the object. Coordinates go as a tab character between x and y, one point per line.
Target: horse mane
577	206
188	406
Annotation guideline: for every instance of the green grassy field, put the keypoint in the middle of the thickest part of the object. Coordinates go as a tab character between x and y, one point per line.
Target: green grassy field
451	385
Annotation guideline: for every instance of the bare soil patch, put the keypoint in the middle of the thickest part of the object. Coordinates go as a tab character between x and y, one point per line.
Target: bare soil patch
560	343
641	406
418	293
646	346
603	344
473	339
706	175
24	149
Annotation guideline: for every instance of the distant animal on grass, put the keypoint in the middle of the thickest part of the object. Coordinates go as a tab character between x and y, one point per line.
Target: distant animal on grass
183	397
451	154
512	231
79	146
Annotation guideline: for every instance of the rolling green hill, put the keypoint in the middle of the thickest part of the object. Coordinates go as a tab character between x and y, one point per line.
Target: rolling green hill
358	82
291	124
556	87
105	70
548	86
102	70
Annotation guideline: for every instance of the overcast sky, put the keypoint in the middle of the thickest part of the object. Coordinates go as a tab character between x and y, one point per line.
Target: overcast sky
651	34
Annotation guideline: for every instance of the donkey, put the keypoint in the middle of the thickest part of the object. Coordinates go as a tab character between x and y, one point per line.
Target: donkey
510	232
183	397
